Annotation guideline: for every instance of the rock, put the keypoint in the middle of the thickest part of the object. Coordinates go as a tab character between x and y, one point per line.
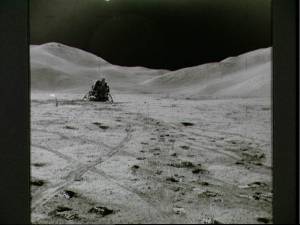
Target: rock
179	210
204	183
263	220
38	183
62	209
187	124
39	164
183	164
69	194
140	158
135	167
101	210
197	170
158	172
209	194
172	179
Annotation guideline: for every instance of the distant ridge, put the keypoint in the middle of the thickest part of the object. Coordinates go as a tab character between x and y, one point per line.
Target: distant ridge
59	67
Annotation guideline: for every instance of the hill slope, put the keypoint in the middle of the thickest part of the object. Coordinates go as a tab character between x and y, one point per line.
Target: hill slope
247	75
56	66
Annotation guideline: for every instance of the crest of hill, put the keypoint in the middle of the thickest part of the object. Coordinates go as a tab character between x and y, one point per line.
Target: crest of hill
56	66
247	75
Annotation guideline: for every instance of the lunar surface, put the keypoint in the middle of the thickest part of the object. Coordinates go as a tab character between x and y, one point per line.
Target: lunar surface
186	146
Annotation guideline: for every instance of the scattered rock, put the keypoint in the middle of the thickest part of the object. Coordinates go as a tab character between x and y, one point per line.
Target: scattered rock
262	196
173	154
192	139
100	125
187	124
209	194
172	179
240	162
69	194
38	183
263	220
197	170
103	127
175	189
179	210
62	209
183	164
204	183
141	158
39	164
210	221
135	167
154	149
144	143
257	184
156	153
70	127
100	210
158	172
184	147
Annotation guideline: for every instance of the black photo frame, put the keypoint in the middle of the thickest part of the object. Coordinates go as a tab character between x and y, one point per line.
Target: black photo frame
15	111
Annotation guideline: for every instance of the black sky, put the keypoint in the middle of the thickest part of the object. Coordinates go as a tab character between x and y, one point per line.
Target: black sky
169	34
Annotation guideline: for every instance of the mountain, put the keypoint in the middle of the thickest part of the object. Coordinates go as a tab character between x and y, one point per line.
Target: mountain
57	67
247	75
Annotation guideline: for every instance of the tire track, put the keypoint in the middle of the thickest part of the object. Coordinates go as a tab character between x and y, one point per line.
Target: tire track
80	138
78	172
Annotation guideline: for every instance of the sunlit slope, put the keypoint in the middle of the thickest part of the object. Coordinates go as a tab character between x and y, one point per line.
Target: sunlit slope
56	66
247	75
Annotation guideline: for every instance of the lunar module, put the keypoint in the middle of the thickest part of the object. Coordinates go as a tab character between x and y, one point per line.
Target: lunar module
99	92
